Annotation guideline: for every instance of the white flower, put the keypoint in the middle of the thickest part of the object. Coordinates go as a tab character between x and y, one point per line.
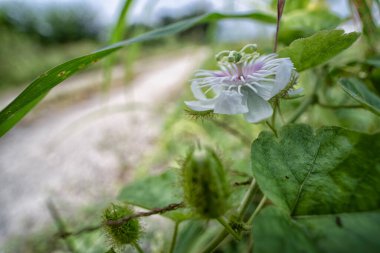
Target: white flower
243	85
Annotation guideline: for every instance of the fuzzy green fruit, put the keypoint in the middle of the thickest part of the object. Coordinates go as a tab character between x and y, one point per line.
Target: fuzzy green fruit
126	233
205	186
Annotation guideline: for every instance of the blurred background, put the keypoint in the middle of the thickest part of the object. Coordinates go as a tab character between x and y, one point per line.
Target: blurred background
124	118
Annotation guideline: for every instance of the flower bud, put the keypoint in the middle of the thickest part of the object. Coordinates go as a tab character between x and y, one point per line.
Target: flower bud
120	234
205	186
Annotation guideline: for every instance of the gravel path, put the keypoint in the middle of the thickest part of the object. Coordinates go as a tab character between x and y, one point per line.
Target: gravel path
73	149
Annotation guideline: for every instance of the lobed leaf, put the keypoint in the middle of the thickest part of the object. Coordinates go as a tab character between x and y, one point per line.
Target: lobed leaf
318	48
23	103
275	231
333	170
359	91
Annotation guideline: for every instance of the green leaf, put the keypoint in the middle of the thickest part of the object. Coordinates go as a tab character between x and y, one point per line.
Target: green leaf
319	48
275	231
359	91
23	103
303	23
329	171
156	192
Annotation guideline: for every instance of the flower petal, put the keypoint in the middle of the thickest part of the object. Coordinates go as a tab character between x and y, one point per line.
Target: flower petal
263	88
197	91
201	105
259	109
283	74
231	102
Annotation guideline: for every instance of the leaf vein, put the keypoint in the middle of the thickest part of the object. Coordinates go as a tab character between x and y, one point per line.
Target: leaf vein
311	168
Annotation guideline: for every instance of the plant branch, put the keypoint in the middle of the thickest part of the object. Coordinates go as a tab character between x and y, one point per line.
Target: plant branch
125	219
171	207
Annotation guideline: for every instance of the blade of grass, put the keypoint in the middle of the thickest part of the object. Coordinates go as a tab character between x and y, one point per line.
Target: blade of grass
116	35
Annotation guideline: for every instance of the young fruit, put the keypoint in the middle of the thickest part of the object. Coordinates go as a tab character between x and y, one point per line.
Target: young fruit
205	186
121	234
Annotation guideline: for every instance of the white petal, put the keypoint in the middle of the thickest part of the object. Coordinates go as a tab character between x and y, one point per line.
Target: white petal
264	89
202	105
259	109
230	102
197	91
283	74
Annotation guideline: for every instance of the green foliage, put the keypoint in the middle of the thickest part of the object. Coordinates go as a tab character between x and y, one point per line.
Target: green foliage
156	192
120	234
303	23
24	57
275	231
206	189
22	104
359	91
317	49
330	171
52	24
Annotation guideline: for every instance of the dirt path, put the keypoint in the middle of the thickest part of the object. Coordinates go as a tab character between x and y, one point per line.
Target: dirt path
74	150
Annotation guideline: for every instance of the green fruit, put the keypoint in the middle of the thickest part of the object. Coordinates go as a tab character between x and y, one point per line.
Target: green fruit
126	233
205	186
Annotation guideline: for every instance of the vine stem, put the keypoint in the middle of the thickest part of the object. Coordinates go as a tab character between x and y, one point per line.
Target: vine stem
257	210
247	199
174	237
241	210
227	226
137	247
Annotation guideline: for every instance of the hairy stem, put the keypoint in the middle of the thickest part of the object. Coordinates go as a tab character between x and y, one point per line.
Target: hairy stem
174	206
144	214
